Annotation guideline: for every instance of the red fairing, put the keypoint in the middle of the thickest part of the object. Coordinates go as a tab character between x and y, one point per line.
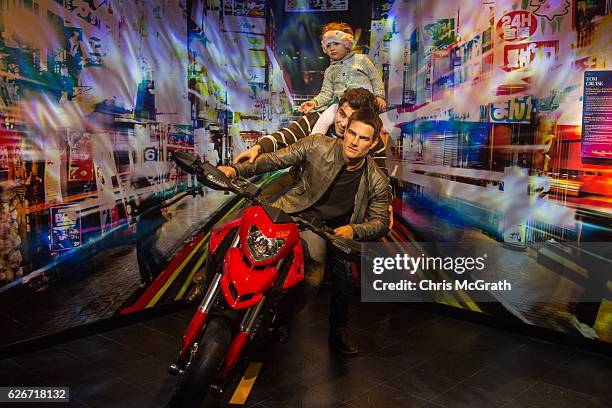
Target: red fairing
258	217
252	281
217	235
296	273
246	280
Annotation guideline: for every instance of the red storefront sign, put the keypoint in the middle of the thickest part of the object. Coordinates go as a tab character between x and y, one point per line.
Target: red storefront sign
516	25
81	162
525	55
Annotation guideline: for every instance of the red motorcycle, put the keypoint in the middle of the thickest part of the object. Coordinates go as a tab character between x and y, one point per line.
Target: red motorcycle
253	262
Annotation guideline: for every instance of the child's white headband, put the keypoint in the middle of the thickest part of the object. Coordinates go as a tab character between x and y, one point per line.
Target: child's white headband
339	37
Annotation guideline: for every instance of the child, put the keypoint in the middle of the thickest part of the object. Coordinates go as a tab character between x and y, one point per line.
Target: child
346	71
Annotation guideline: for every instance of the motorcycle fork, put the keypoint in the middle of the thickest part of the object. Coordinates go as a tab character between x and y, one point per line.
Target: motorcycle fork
239	341
199	319
194	329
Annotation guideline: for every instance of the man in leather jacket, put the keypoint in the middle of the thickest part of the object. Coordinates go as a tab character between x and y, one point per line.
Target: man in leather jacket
341	185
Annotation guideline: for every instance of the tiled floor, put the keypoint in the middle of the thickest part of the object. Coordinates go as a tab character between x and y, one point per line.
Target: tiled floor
408	358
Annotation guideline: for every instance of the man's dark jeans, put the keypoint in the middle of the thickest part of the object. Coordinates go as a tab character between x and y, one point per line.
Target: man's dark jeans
340	296
341	291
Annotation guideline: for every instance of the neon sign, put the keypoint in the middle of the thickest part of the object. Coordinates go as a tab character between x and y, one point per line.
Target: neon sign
517	25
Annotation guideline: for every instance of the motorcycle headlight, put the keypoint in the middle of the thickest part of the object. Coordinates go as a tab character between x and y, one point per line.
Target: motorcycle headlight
261	247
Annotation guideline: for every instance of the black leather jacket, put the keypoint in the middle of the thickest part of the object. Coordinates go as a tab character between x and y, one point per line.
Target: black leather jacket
321	159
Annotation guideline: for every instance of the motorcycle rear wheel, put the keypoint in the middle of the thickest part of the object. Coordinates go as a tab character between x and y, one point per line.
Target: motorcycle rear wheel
192	387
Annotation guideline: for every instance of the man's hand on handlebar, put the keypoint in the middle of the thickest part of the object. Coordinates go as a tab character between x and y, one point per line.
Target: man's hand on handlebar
230	172
249	154
346	231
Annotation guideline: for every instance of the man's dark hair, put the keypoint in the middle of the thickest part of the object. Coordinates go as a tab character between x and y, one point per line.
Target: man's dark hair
369	117
337	26
359	98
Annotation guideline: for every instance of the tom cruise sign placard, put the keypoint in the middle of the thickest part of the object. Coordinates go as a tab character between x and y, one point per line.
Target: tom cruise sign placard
597	115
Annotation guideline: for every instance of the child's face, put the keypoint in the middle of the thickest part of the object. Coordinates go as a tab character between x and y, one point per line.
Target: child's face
336	51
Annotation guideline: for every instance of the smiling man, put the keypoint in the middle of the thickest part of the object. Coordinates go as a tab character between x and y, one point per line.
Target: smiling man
341	185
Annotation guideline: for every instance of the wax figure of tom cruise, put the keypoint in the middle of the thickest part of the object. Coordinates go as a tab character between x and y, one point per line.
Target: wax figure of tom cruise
341	185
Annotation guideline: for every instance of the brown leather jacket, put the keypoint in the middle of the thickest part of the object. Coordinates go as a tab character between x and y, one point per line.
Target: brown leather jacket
321	159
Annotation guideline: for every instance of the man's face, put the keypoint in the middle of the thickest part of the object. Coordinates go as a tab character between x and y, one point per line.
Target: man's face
358	140
343	114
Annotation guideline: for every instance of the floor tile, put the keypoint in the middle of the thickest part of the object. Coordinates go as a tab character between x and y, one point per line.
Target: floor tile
42	358
421	383
500	382
543	395
9	370
374	368
67	373
146	371
457	366
118	355
173	325
88	346
463	396
160	391
522	366
345	388
545	350
585	372
397	325
501	338
403	354
383	396
430	404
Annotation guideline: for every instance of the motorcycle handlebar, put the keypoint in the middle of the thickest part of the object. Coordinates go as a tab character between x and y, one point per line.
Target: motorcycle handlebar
349	248
210	176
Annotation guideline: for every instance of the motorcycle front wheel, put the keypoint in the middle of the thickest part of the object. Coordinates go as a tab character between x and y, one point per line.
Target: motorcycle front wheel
193	385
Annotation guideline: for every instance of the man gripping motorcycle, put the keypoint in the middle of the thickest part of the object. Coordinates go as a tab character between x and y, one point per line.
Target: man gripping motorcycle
341	185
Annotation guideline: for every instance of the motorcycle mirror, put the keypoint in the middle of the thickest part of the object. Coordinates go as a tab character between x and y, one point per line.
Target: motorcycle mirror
187	162
206	173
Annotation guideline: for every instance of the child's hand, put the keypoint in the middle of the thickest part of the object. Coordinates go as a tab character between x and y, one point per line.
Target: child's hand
384	136
307	107
249	154
382	104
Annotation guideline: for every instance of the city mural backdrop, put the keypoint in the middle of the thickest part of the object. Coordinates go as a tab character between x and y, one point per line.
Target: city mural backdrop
96	96
485	120
489	145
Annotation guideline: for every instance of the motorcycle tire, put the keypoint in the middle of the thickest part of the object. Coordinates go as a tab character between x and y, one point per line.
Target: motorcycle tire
192	387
